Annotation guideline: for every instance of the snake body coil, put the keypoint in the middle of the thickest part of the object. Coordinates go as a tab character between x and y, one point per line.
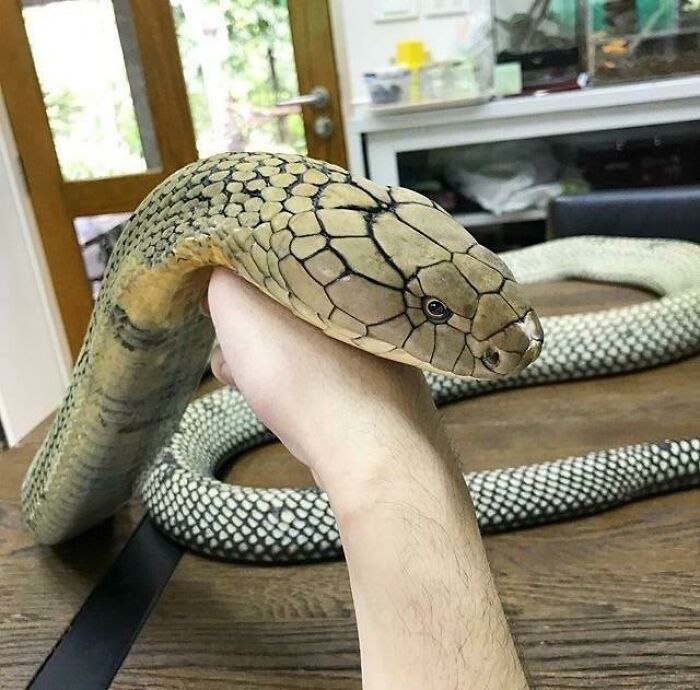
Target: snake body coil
383	269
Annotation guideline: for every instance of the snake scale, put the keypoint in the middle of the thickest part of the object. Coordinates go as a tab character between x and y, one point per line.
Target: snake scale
383	269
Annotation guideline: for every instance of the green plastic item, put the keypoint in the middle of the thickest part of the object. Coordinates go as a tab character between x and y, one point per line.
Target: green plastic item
657	15
508	79
596	9
565	13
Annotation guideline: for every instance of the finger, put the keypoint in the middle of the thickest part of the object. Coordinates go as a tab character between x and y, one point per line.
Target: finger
220	368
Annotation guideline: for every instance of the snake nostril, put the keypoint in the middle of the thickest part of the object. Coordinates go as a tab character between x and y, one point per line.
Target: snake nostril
491	358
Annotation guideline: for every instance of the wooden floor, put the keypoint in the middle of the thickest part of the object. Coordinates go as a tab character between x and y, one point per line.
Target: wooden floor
611	601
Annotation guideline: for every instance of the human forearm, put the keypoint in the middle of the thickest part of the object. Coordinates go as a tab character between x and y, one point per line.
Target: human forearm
427	609
428	613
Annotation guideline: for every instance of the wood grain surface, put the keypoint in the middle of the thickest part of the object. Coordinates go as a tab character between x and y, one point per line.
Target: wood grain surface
120	194
610	601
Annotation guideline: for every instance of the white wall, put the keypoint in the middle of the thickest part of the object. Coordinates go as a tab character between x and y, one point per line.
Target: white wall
362	44
33	353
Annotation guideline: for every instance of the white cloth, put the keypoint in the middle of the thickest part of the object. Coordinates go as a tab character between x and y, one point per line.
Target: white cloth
509	176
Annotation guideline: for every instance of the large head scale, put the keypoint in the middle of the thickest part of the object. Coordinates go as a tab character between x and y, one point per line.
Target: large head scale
408	282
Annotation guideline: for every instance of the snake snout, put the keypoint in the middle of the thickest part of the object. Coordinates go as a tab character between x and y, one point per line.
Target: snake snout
531	354
514	348
531	329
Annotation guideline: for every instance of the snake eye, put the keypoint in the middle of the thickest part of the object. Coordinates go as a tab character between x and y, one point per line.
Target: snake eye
436	310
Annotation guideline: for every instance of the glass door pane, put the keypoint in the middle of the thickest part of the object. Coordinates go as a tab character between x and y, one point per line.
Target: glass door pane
97	236
238	62
95	98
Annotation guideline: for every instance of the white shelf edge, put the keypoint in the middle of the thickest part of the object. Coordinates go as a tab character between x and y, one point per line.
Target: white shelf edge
594	98
481	219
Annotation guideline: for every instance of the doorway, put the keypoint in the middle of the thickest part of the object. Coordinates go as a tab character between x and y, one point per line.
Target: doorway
106	98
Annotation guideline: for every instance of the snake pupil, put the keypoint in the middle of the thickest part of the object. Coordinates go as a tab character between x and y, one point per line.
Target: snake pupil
436	310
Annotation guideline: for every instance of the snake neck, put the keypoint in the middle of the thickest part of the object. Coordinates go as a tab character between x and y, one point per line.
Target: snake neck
144	353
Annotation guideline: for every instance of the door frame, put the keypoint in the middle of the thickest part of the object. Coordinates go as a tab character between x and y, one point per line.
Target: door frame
57	202
34	357
311	25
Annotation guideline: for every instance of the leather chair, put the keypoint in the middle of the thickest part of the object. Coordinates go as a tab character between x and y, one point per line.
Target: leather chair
671	212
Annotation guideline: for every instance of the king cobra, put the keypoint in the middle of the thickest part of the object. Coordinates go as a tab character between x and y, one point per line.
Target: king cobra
382	269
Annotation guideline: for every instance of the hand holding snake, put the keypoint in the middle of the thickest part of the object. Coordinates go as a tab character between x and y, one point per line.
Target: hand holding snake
332	406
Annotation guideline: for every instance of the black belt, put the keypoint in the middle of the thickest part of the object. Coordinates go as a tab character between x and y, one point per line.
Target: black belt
93	647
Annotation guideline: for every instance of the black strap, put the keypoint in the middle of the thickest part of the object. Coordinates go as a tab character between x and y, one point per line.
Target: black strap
93	647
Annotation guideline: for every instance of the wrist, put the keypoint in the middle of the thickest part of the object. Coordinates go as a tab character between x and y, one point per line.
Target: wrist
409	469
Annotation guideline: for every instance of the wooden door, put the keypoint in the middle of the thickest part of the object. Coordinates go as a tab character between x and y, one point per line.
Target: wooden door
149	38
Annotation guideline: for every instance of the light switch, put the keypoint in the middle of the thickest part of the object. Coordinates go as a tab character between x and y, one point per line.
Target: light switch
391	10
438	8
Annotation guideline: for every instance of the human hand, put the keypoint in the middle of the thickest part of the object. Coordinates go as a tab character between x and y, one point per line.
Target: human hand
332	405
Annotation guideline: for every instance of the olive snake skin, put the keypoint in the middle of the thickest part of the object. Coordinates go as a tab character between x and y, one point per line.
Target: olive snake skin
383	269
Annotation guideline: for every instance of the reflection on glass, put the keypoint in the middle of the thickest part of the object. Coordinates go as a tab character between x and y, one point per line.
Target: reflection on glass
238	62
96	236
80	64
542	37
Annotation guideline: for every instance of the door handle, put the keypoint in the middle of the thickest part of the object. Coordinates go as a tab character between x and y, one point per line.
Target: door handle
318	98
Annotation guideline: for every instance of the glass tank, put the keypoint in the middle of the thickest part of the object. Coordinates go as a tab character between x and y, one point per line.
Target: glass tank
542	36
632	40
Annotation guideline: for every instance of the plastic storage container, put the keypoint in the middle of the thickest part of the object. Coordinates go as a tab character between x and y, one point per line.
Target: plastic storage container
388	85
450	80
543	37
630	40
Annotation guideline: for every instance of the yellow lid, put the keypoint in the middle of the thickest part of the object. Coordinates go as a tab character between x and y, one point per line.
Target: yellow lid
411	53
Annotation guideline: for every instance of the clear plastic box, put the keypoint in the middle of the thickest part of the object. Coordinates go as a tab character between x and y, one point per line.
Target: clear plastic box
630	40
389	85
543	37
451	79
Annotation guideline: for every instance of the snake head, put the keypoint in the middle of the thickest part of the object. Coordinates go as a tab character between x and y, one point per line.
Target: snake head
417	287
472	303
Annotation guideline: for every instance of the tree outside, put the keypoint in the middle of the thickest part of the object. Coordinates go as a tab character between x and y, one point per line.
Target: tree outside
237	60
82	75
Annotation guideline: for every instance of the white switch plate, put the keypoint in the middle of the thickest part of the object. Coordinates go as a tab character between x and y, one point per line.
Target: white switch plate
440	8
393	10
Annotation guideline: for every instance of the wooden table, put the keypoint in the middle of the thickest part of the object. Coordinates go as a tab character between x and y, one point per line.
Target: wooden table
611	601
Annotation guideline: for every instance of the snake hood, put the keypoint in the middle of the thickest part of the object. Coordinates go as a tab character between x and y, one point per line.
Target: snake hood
402	279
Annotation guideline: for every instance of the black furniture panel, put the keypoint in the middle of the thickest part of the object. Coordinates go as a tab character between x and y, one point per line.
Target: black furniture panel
671	212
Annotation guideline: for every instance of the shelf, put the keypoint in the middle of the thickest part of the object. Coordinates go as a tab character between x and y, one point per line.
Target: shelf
482	219
375	142
595	100
421	106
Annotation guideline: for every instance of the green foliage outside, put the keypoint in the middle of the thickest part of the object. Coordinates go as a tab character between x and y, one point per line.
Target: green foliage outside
238	62
257	65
